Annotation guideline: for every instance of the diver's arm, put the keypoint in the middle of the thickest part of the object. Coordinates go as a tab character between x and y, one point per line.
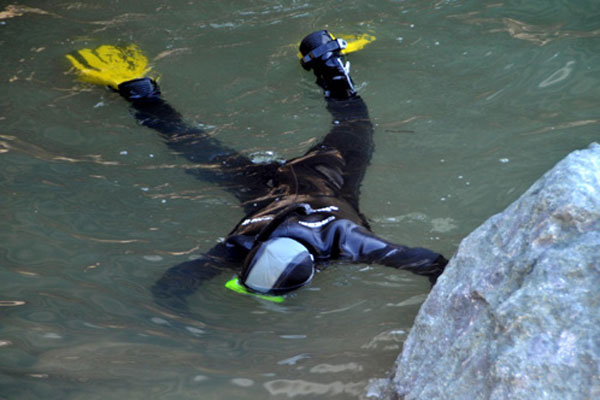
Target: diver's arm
417	260
363	246
152	111
182	280
414	259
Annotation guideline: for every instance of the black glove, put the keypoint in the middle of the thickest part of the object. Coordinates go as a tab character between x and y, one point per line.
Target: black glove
440	264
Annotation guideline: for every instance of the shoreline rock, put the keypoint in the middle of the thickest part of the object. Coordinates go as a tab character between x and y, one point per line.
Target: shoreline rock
516	314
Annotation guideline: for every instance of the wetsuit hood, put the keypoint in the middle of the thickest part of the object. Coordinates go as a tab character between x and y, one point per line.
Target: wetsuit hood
278	266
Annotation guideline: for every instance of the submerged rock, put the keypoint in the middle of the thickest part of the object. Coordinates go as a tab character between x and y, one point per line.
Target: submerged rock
516	314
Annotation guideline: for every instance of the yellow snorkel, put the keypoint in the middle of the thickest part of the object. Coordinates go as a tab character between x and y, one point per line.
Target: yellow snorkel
110	65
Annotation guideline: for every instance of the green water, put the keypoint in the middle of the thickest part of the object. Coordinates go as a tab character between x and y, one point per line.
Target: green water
472	101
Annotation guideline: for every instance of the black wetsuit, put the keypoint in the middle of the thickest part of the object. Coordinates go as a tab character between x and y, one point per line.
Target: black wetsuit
312	199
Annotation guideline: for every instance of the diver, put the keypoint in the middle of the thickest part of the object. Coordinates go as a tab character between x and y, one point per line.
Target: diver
300	214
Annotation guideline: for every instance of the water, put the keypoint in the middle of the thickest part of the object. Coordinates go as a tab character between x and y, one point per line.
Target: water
473	101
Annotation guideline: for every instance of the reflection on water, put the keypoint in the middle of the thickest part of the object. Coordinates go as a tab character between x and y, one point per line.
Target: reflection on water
472	102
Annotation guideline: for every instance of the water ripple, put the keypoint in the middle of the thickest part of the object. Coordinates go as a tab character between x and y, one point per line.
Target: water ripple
537	34
299	387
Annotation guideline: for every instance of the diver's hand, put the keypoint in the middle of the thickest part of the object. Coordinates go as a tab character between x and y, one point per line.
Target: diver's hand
440	264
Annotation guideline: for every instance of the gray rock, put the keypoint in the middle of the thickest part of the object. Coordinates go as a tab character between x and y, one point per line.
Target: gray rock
516	315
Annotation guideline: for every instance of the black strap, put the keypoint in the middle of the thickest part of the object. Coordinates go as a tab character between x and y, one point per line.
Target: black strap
334	45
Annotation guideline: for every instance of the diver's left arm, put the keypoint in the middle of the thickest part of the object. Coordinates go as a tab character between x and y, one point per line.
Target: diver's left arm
417	260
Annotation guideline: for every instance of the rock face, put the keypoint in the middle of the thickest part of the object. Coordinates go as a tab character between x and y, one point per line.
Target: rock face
516	315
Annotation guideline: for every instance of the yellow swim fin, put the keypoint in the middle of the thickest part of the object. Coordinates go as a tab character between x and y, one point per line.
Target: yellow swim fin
110	65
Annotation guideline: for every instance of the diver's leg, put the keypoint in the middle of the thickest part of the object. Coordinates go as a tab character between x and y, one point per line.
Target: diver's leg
352	136
152	111
216	162
352	131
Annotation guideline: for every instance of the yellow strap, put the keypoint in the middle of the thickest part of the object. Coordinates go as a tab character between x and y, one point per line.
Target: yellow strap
110	65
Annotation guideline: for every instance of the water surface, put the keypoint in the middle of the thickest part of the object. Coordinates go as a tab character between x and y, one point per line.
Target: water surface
472	101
